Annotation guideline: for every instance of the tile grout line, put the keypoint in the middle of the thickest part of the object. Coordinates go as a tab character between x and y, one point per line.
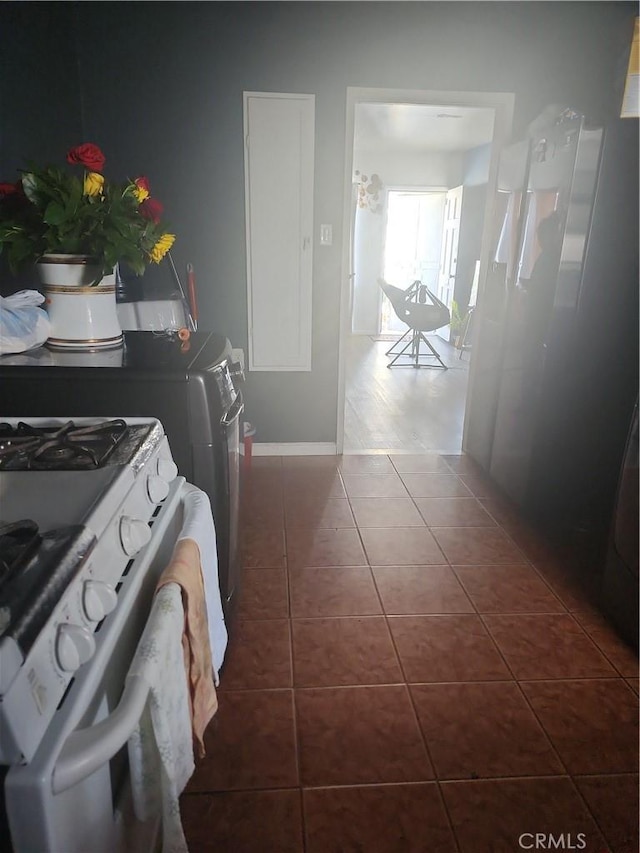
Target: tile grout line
510	670
416	718
589	810
597	645
476	611
296	739
515	680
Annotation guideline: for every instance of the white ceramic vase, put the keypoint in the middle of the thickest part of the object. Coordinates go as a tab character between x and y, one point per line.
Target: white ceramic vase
83	317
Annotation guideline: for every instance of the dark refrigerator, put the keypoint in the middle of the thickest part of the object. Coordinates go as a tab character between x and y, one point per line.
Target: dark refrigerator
567	377
621	569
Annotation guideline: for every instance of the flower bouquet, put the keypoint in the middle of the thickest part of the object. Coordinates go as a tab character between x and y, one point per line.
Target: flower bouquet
77	211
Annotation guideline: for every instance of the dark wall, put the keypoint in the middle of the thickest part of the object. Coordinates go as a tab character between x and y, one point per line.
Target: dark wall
162	91
40	115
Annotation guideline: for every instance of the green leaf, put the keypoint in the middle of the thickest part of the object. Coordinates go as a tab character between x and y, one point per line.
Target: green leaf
30	186
137	266
54	213
75	196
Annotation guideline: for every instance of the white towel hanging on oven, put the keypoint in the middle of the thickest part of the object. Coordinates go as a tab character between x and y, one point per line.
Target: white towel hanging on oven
161	748
198	525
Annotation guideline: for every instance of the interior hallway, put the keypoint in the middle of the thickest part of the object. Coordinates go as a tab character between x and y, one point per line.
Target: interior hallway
414	669
401	408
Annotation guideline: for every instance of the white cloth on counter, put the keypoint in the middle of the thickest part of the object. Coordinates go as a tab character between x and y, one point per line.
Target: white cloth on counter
198	525
24	325
161	747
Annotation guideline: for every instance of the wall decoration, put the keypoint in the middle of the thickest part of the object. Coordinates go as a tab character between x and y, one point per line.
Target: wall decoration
369	189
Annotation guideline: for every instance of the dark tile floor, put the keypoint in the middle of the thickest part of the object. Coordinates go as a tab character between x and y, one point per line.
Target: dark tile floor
413	669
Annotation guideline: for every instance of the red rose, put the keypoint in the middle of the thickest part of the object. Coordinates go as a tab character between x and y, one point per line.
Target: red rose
8	189
88	155
151	209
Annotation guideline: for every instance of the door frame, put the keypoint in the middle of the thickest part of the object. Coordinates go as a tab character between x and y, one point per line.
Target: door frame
503	104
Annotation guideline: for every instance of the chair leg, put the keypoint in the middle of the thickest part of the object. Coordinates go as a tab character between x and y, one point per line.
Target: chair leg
436	354
414	355
410	343
398	342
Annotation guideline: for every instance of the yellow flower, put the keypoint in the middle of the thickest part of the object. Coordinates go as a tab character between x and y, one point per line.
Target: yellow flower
140	194
141	189
162	247
93	183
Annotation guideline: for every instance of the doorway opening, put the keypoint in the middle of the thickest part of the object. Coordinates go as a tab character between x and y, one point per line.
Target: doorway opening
412	246
420	171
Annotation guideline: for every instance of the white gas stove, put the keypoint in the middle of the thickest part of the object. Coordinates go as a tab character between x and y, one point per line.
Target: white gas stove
76	502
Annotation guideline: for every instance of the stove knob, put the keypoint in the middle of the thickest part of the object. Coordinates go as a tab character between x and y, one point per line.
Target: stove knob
157	488
134	535
98	599
167	469
74	646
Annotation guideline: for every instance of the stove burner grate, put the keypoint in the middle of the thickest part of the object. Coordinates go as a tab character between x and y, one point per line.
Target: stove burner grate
69	447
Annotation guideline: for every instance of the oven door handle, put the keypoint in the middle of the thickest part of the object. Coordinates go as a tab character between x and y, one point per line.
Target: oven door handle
88	749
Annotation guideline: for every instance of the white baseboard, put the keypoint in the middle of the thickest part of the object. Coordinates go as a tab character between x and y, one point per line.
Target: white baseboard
294	448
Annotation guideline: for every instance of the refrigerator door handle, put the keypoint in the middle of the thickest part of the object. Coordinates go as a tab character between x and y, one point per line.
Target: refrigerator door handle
234	412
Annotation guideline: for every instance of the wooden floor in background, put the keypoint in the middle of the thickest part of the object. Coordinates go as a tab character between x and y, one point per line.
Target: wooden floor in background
401	408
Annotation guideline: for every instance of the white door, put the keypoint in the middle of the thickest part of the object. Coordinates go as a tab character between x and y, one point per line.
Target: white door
412	245
279	137
449	253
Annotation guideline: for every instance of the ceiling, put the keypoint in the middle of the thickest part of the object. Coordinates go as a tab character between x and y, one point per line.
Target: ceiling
421	127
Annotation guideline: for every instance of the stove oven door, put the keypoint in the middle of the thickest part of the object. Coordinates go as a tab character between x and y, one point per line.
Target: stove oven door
78	800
